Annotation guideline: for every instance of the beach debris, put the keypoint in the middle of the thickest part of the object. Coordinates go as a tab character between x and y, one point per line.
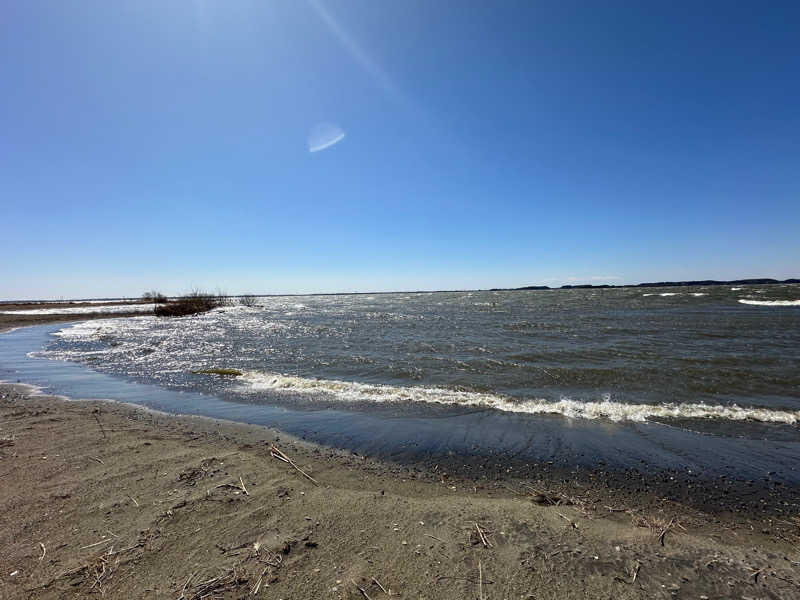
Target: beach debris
383	589
665	530
480	577
634	574
105	541
206	588
238	487
482	536
360	589
96	413
275	452
571	522
134	501
94	458
44	551
8	440
183	591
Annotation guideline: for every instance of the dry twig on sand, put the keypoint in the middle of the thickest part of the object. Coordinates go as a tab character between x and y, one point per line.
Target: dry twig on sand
44	551
183	591
383	589
482	537
276	453
666	529
360	589
571	522
96	413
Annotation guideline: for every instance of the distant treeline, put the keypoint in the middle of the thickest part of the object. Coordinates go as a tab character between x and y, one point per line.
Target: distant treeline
654	284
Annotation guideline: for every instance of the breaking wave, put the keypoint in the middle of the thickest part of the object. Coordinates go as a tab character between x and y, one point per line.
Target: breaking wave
254	382
770	302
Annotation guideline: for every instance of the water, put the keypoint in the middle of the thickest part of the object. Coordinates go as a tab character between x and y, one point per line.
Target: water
675	375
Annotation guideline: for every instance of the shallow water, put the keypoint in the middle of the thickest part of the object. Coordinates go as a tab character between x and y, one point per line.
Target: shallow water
678	377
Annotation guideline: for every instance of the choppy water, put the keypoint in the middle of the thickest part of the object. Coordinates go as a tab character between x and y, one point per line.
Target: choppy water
700	378
621	354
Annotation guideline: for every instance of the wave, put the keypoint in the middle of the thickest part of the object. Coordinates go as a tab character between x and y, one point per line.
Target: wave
254	382
770	302
663	294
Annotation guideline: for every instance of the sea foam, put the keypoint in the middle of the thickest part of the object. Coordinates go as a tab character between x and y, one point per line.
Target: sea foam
770	302
254	382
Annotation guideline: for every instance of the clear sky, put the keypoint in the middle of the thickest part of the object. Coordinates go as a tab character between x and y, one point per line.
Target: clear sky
368	145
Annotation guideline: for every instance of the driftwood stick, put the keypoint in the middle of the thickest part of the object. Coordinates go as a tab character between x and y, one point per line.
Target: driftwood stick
383	589
183	591
482	537
276	453
666	529
244	489
97	459
44	551
362	590
571	522
97	418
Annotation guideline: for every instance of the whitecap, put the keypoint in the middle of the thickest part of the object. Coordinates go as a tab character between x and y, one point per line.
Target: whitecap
348	391
770	302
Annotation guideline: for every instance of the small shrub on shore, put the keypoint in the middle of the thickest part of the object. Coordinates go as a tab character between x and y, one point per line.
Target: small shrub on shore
249	301
155	297
190	304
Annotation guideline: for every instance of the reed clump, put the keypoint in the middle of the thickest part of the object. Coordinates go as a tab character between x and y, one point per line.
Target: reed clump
190	304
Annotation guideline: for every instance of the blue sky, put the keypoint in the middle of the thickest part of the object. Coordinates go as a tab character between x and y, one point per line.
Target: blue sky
150	144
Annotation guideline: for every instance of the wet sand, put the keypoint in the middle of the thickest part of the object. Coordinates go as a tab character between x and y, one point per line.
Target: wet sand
111	500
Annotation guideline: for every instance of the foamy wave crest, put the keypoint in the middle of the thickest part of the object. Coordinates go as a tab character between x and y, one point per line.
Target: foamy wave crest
253	382
662	294
770	302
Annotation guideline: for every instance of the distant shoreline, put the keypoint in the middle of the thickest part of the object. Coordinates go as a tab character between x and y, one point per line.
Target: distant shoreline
694	283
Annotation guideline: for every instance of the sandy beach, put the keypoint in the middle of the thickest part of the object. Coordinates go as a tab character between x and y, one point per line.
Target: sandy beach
110	500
